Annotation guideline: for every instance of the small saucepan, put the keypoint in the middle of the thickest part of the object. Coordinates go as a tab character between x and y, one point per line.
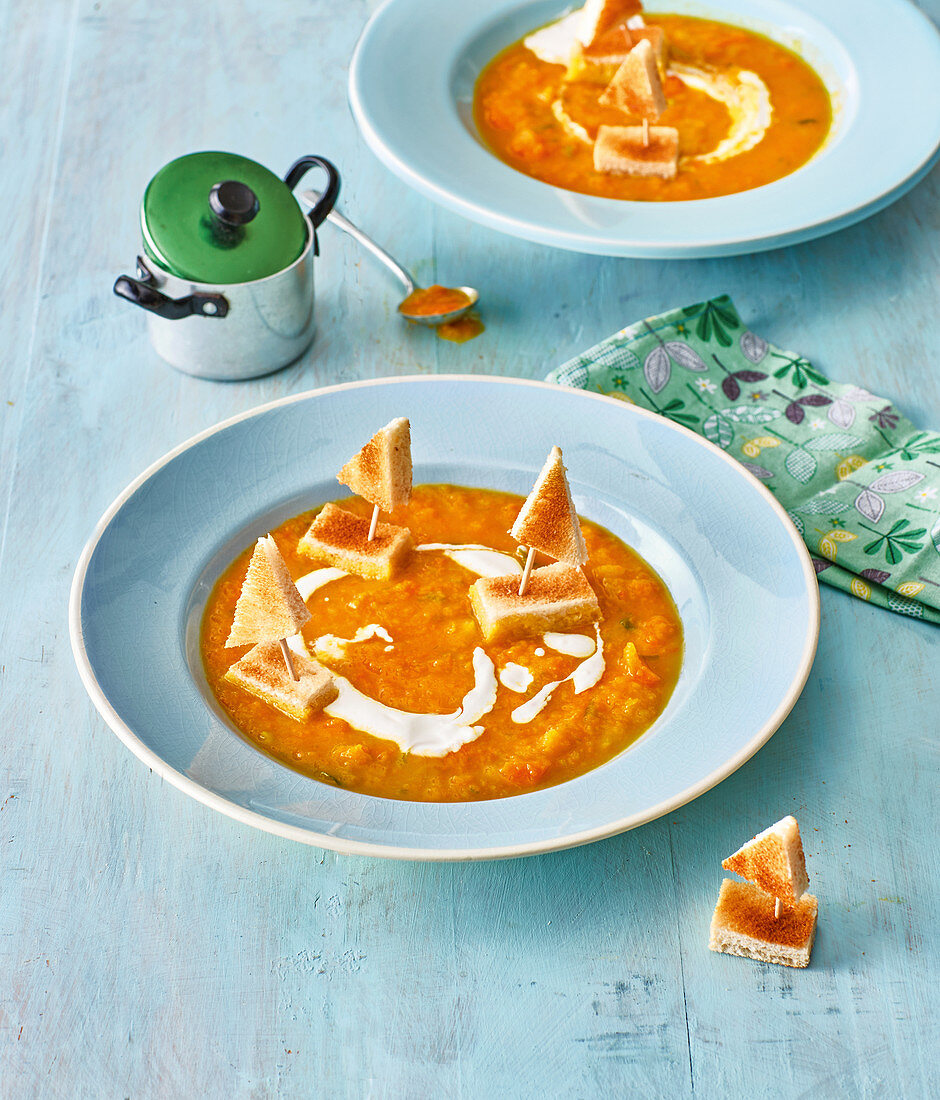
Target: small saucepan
226	271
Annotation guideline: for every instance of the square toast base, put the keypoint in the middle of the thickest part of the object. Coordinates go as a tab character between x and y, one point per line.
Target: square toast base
557	597
744	924
262	672
339	538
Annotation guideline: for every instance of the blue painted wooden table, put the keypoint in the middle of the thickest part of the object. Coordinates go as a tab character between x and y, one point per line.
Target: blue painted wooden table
152	948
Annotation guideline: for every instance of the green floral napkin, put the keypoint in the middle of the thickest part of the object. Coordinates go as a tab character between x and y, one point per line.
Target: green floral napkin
859	480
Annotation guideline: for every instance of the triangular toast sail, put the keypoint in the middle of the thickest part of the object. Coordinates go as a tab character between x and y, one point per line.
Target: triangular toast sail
600	16
269	607
547	521
381	472
774	861
636	87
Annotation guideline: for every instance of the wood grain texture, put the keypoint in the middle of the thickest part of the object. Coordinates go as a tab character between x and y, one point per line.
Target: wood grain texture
152	948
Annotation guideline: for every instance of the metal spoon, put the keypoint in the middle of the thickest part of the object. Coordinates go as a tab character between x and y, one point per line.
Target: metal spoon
334	216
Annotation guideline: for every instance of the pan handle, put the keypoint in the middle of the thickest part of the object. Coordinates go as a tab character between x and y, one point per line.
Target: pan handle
142	292
328	195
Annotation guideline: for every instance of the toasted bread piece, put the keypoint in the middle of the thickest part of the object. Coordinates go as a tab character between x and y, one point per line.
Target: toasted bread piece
636	87
599	62
744	924
337	537
613	47
262	671
381	472
619	151
547	521
599	16
774	861
557	598
269	607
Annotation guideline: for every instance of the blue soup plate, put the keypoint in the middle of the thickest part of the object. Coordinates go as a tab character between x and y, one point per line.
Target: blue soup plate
740	576
879	59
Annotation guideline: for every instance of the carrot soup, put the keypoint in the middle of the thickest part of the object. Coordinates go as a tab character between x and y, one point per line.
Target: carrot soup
748	110
427	711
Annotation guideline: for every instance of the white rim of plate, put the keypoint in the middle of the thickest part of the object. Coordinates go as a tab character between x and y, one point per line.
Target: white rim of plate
356	847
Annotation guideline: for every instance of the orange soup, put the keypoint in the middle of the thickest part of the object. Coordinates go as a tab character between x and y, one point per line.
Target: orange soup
431	300
748	111
420	651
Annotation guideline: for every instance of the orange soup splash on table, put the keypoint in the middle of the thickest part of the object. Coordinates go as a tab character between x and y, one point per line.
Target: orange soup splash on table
611	102
417	671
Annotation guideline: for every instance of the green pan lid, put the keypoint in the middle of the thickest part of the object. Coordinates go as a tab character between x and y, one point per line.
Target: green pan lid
221	218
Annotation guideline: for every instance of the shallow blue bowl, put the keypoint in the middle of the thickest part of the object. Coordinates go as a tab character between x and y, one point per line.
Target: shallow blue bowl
880	60
736	567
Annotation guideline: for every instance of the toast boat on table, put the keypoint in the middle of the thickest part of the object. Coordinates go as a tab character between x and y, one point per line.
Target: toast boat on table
771	917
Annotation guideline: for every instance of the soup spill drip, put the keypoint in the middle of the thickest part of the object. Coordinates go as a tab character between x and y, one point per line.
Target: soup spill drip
463	329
